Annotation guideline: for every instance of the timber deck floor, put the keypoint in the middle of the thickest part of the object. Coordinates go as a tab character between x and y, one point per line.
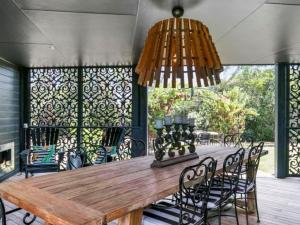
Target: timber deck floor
278	199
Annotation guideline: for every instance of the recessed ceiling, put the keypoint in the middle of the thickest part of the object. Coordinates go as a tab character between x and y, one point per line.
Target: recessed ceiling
128	7
88	38
100	32
283	2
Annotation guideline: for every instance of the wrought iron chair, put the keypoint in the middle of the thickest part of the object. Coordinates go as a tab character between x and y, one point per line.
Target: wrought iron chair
129	146
247	182
205	138
42	155
108	149
245	141
27	219
191	205
225	185
236	140
76	160
230	140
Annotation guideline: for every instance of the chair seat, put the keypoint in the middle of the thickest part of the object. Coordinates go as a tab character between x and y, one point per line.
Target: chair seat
244	169
216	196
40	164
164	213
241	187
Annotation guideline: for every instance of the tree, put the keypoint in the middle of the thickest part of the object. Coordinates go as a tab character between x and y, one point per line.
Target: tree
244	102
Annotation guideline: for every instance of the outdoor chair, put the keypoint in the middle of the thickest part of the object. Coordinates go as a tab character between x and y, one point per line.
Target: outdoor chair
230	140
191	205
247	182
75	160
237	140
42	155
110	143
224	186
204	138
245	141
27	218
128	147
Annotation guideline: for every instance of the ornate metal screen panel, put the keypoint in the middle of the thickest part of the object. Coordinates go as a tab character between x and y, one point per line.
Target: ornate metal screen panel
81	101
54	101
54	97
107	96
294	120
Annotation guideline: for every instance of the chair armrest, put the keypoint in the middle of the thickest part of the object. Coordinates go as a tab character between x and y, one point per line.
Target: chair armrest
61	155
25	155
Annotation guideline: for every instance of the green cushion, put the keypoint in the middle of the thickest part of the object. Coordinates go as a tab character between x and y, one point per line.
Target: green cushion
48	158
113	150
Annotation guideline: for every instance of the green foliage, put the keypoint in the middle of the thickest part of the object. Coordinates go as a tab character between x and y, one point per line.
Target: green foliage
243	103
259	86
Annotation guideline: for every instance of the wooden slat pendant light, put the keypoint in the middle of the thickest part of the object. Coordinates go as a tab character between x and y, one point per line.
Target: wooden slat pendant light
179	49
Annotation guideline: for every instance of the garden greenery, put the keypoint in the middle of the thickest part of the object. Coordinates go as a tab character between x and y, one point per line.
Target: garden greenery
242	103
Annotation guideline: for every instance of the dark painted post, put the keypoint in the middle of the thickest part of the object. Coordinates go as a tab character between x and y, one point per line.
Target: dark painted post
282	118
139	113
24	109
80	109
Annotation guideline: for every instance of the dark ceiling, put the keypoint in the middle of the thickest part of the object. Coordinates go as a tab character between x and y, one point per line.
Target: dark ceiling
102	32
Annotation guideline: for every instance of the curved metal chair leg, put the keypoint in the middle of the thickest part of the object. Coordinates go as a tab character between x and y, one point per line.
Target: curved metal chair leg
246	208
2	213
219	215
255	195
235	211
27	215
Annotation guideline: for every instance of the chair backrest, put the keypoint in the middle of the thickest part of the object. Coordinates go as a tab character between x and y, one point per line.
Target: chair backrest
101	156
253	162
75	160
232	166
230	140
194	188
128	148
205	136
44	136
112	136
245	141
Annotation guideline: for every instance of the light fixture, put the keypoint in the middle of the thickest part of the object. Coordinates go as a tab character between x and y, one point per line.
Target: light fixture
179	49
52	47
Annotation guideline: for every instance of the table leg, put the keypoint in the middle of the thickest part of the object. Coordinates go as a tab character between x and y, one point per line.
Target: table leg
251	202
132	218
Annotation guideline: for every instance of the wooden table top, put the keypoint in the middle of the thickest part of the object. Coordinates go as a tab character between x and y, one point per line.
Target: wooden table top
92	195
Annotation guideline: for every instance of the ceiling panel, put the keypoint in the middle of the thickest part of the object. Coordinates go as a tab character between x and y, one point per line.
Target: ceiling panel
88	39
219	16
288	2
101	32
16	27
263	37
127	7
31	55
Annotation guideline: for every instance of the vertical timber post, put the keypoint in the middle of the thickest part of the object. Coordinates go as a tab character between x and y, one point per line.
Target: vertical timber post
282	118
139	112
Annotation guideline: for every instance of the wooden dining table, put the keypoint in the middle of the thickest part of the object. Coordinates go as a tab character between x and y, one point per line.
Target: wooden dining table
99	194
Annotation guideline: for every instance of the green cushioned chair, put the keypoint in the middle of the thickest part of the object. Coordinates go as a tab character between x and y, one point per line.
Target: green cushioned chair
42	156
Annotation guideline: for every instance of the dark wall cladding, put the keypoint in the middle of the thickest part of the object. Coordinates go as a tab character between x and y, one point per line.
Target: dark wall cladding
9	111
